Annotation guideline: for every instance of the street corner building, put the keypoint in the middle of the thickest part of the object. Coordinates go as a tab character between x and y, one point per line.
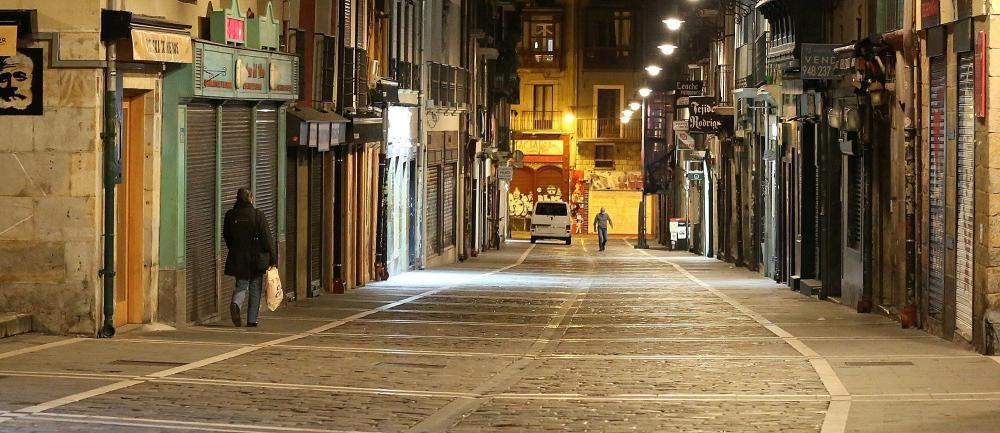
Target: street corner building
370	133
856	158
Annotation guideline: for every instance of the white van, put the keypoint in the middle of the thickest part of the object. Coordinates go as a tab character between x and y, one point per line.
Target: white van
551	221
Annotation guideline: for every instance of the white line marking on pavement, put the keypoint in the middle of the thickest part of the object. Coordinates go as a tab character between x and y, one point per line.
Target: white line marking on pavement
59	374
308	387
39	408
172	424
836	415
40	347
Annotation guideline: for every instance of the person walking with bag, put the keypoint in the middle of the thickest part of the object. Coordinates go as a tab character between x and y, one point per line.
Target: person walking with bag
251	253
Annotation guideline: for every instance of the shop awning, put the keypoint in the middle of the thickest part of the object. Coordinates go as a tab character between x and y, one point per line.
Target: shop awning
153	39
366	130
317	129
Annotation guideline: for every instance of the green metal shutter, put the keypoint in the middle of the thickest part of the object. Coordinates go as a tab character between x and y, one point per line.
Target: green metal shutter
266	170
966	193
938	154
237	161
201	273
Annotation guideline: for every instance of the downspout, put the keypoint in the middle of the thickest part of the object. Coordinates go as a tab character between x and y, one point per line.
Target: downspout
109	139
908	317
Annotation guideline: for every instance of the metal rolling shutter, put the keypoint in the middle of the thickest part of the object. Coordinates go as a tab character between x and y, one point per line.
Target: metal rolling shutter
237	160
448	223
938	154
266	172
288	278
200	207
433	240
315	221
966	194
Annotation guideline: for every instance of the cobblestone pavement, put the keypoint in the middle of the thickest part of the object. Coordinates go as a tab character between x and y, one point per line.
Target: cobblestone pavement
543	338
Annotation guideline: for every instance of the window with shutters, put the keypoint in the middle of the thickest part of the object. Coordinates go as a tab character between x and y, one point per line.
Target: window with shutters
604	156
609	38
329	67
542	30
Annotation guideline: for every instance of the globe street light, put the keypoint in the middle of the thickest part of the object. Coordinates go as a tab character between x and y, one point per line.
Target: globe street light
667	49
634	106
645	92
653	70
673	23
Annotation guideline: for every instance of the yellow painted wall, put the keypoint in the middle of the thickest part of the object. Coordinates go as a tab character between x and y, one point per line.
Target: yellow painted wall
623	207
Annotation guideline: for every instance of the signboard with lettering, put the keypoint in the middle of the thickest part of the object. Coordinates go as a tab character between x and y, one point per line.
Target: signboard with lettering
150	46
8	41
505	173
690	88
236	73
819	62
703	117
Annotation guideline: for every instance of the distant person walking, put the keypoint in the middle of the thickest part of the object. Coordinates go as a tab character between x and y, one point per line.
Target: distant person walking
250	255
601	223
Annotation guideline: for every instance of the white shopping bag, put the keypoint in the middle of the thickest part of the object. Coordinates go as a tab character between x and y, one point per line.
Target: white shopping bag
273	284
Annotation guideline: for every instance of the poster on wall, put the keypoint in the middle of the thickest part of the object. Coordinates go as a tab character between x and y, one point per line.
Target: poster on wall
930	13
21	83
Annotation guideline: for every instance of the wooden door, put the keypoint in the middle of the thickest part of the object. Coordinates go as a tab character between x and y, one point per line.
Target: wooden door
128	280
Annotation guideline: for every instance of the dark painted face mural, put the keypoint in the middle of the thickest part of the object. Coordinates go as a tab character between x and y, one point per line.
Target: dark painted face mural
20	83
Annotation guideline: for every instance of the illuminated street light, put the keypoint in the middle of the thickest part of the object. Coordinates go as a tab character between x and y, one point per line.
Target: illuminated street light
653	70
645	92
667	49
625	120
673	23
634	106
627	113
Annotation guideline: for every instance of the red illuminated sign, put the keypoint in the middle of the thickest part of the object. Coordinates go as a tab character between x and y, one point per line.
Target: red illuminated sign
236	30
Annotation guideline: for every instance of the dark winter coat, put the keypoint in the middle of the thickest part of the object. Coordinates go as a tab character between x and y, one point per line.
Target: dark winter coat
246	235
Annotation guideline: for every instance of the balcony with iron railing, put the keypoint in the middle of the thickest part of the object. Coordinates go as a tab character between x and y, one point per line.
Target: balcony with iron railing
537	121
608	129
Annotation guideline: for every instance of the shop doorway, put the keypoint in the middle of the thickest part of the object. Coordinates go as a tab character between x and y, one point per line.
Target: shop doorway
129	298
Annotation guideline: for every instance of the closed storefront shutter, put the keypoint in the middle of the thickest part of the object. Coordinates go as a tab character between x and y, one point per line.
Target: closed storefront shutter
266	171
200	207
448	208
315	221
237	161
966	194
433	240
289	281
937	188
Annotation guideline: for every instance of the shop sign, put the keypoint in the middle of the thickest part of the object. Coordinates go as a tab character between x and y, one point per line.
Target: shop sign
505	173
690	88
685	139
930	13
251	73
703	117
819	62
150	46
8	41
228	26
229	72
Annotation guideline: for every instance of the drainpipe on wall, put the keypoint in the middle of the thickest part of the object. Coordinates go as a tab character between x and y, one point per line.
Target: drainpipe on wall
908	317
109	139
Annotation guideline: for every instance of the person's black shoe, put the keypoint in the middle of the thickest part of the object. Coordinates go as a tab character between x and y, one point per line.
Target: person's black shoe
251	325
234	313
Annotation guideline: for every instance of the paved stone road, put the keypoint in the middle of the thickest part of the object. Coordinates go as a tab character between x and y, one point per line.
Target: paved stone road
529	339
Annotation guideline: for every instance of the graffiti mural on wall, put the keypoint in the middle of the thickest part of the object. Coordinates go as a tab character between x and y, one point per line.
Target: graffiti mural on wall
521	204
21	83
616	180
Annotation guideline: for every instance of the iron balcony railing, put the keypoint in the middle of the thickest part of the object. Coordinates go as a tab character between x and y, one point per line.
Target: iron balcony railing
611	129
537	121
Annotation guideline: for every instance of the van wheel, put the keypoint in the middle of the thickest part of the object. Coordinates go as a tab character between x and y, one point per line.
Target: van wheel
534	239
569	241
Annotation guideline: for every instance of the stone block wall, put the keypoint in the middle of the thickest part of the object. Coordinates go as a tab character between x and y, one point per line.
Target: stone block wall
50	182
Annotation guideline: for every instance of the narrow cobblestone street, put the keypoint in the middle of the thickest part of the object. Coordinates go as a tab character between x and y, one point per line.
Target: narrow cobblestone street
542	338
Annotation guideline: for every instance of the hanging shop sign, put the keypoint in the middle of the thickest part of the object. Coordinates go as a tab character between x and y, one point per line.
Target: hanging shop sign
704	119
819	62
21	77
505	173
930	13
8	41
690	88
150	46
228	72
